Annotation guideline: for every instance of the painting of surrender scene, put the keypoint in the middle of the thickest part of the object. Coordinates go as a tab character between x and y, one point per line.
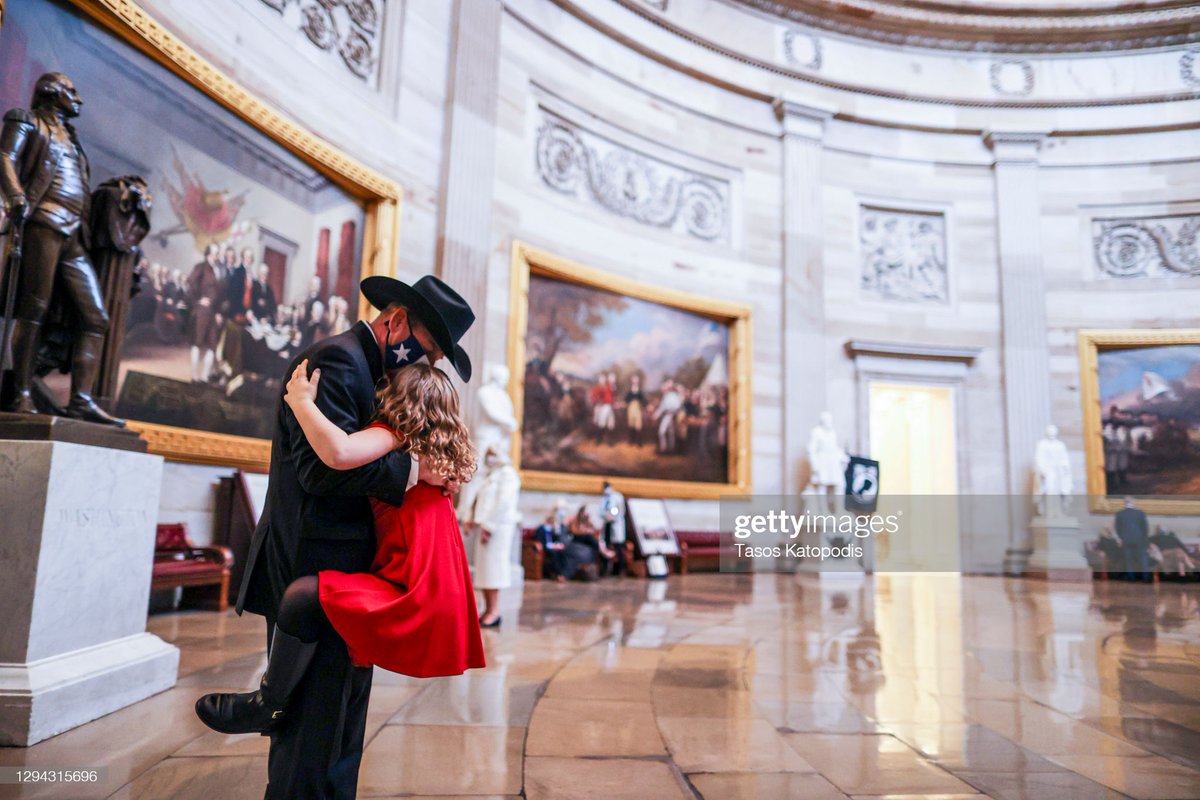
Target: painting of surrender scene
252	253
1150	419
623	387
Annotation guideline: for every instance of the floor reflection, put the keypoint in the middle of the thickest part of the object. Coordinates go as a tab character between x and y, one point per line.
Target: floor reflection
731	686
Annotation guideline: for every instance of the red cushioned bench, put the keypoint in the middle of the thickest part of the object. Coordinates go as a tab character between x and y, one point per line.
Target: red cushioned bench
202	572
699	549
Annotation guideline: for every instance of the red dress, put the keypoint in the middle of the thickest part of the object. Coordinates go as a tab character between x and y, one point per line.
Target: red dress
414	613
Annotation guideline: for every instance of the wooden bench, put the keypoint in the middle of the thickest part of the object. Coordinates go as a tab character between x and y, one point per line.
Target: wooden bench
202	572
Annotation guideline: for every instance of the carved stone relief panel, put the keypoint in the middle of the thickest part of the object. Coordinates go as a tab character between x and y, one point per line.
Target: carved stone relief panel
1146	247
904	255
350	28
597	170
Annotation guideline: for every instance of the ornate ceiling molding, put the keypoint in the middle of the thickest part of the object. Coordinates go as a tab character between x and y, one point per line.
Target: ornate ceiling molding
1012	82
992	27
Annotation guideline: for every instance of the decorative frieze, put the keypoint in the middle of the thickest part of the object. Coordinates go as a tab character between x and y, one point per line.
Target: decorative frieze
629	183
904	255
1001	28
1012	78
350	28
1147	247
1189	68
800	48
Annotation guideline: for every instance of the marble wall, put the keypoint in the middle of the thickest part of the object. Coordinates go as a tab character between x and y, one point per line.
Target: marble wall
691	89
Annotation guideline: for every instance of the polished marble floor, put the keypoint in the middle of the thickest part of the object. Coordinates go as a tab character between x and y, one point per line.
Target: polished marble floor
729	686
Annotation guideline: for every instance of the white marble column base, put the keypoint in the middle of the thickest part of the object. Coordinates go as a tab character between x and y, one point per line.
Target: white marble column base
1057	549
44	698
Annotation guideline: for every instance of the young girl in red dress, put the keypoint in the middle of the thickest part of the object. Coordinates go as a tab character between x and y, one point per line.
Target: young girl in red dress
414	612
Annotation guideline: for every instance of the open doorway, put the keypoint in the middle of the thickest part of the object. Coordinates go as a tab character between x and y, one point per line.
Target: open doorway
913	434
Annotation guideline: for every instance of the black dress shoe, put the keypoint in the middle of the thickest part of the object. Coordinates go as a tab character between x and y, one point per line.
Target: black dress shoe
247	712
84	408
493	624
261	711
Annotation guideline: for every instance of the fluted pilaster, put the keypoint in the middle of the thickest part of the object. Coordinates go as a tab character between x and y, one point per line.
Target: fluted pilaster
465	226
1023	317
803	129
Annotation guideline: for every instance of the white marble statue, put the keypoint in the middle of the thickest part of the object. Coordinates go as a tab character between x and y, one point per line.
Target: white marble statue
828	459
826	454
494	428
1053	466
497	420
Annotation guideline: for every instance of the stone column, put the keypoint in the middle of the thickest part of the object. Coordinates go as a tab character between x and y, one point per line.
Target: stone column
464	234
1023	320
803	129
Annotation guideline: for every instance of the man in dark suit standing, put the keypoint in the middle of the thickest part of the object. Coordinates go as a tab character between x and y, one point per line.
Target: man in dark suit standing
312	701
1134	532
236	290
262	297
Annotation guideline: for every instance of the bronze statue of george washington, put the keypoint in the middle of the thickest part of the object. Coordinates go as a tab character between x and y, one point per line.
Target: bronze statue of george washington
44	183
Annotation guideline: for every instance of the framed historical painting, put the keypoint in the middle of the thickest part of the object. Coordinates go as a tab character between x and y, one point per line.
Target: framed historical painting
613	379
652	526
259	231
1141	410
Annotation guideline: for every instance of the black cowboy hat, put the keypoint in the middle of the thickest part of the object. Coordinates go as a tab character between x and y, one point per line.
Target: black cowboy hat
441	309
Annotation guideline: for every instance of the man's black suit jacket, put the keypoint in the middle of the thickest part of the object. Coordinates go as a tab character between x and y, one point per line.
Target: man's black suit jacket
305	498
1132	526
234	289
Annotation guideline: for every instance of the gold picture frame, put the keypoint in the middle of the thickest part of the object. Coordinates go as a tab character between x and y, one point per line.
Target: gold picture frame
379	196
1091	344
526	260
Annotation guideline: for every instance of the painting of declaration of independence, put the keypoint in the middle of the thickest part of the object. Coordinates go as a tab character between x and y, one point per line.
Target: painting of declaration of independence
1150	418
252	254
623	387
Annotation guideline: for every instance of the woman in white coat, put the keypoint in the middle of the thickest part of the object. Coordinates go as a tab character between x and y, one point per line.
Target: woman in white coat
494	514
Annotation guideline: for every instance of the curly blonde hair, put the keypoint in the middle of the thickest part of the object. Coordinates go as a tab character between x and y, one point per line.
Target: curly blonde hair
421	406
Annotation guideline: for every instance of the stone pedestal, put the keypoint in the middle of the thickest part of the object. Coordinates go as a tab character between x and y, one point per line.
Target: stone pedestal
1057	550
76	552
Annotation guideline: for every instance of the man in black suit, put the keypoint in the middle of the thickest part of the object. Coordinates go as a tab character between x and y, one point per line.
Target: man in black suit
316	518
262	297
236	290
1134	532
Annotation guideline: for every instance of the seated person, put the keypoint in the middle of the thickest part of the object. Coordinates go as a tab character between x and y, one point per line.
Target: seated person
554	539
1174	556
587	543
1110	547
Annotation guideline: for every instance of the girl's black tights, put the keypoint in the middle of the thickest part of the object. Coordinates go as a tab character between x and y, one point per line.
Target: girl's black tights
300	612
